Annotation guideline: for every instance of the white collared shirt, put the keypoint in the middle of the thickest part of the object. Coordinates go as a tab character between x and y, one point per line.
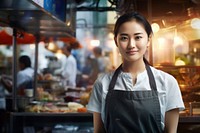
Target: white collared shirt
168	90
25	76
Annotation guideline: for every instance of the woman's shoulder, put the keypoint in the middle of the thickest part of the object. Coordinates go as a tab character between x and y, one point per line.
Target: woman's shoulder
165	81
104	76
103	79
162	75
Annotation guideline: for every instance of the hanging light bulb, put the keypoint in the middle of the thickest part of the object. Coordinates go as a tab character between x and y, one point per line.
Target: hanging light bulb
155	27
195	23
51	46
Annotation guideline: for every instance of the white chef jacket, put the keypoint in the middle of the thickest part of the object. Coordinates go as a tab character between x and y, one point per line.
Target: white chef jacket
68	70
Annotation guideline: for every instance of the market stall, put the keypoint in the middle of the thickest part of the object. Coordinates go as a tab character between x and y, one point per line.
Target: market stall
31	23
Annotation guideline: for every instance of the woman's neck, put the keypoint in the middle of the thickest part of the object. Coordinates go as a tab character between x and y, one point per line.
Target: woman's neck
133	67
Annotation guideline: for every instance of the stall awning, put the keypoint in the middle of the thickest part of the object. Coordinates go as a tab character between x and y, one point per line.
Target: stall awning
26	38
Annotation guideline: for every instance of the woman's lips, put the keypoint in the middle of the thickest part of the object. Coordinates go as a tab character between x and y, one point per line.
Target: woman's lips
132	52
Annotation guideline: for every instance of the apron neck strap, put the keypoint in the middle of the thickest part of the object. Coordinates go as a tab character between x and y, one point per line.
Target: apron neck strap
152	81
114	78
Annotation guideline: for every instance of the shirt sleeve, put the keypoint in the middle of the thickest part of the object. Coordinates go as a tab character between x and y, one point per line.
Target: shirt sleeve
63	63
69	67
21	79
95	102
174	97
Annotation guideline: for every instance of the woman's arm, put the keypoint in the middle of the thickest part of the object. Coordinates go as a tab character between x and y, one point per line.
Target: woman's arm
98	124
171	120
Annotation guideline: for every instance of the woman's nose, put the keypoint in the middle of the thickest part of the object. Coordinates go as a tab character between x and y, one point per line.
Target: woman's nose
131	43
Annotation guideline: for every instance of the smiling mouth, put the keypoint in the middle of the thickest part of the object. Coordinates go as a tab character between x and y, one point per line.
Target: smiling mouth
131	52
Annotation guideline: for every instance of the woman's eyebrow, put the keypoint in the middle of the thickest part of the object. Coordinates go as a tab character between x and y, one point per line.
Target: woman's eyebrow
138	33
123	34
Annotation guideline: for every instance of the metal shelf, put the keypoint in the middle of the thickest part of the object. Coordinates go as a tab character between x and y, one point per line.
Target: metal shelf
27	16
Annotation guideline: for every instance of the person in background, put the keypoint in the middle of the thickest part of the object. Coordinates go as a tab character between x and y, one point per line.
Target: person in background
136	98
95	64
3	117
24	80
68	70
103	62
24	76
90	72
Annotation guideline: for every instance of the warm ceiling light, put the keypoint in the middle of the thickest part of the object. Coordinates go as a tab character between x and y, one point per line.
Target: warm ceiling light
155	27
68	23
178	40
195	23
32	46
95	43
59	54
51	46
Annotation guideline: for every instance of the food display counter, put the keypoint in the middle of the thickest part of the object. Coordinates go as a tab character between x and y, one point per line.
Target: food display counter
189	124
55	122
77	122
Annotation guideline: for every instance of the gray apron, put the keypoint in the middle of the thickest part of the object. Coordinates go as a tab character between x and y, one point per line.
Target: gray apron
132	111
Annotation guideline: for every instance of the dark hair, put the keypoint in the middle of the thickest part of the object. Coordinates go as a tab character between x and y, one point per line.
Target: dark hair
68	47
133	16
97	50
24	59
138	18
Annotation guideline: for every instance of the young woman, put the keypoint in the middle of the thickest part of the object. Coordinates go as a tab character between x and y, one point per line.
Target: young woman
136	98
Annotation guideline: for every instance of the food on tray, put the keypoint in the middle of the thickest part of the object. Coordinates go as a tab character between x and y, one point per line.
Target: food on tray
45	95
42	77
84	98
48	109
74	106
48	76
70	107
82	110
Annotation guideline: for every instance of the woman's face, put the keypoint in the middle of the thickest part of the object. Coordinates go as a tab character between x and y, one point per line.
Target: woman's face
132	41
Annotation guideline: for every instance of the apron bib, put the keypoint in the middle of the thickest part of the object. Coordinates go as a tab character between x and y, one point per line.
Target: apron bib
133	111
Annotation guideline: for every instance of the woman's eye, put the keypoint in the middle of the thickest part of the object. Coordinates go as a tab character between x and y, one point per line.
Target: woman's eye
138	37
123	38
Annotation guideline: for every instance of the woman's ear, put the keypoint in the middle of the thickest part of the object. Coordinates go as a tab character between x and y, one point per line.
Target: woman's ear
149	40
